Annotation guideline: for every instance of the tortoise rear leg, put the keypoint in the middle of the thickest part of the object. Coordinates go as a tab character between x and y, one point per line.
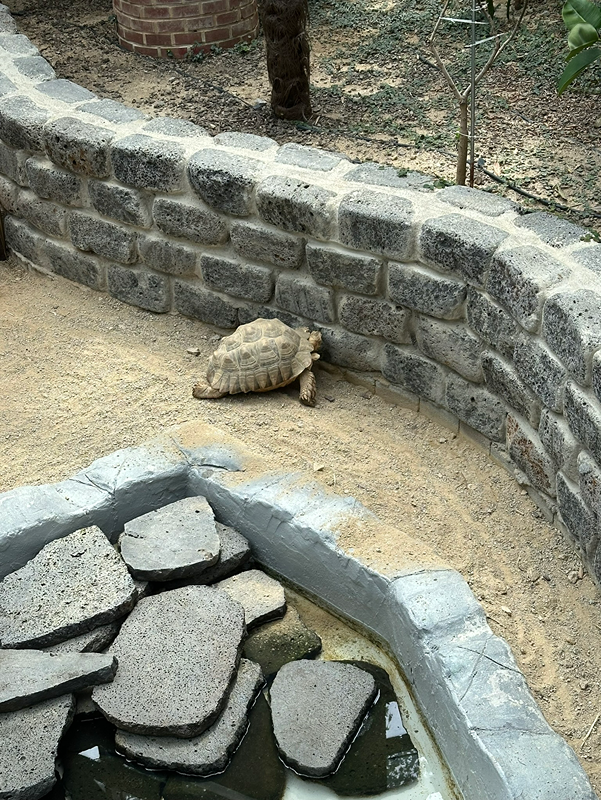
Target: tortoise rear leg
204	392
308	387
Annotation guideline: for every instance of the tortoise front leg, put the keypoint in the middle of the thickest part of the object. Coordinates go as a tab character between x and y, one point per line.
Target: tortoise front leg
204	392
308	387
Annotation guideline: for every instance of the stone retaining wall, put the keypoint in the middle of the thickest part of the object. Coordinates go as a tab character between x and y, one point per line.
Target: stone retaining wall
451	301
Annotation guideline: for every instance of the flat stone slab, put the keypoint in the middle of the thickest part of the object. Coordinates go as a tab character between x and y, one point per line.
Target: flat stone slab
261	596
30	739
71	586
29	676
317	708
177	652
177	541
90	642
276	643
209	752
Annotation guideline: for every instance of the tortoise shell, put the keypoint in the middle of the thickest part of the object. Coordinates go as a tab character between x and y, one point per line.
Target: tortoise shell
259	356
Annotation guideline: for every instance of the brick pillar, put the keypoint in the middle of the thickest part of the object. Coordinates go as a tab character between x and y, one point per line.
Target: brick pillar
175	28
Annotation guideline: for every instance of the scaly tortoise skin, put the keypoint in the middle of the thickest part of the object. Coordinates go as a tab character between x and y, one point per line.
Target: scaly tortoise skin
260	356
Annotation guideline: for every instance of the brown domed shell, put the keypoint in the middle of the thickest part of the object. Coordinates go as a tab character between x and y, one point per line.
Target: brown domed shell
259	356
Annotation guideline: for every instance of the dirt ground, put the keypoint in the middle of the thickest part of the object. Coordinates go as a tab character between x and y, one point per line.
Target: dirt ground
83	375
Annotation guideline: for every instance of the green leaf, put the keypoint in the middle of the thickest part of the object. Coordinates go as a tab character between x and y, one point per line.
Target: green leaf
577	65
581	36
576	12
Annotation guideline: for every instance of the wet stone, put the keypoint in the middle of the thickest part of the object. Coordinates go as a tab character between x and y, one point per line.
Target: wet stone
209	752
73	585
177	653
277	643
30	739
317	707
90	642
29	676
261	596
176	541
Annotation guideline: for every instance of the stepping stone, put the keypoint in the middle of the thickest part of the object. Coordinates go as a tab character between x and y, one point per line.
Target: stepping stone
91	642
73	585
177	541
276	643
317	708
177	652
209	752
30	739
28	676
261	597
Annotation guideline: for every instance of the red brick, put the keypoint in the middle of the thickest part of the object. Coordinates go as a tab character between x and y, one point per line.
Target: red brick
228	18
215	7
240	28
131	10
156	12
145	51
190	11
249	10
144	25
216	35
164	39
199	24
131	36
185	38
125	44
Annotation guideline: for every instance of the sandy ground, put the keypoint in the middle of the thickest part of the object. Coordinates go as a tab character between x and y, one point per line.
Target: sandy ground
83	375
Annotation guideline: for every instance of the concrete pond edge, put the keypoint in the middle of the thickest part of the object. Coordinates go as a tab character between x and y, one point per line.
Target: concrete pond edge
466	684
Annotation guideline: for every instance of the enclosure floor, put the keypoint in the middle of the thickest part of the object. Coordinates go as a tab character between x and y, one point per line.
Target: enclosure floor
83	375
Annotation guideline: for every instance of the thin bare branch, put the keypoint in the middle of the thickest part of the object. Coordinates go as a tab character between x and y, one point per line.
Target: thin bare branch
452	85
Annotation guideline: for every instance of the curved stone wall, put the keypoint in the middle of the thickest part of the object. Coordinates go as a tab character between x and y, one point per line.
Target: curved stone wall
453	301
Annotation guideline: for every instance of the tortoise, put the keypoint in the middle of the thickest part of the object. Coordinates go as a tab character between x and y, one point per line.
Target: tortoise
260	356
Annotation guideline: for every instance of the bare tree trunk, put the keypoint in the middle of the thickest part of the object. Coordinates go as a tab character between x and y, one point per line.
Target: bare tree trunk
462	146
287	43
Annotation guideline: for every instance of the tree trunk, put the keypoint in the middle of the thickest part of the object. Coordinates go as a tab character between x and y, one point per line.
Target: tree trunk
463	143
287	44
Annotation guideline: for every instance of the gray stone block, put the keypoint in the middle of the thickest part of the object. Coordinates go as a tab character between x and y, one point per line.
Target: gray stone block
583	413
78	146
120	203
163	255
419	288
12	164
377	222
501	379
224	180
52	183
261	597
528	452
518	278
492	205
382	175
241	280
581	523
30	676
66	91
211	751
189	221
477	407
304	298
456	243
7	23
559	442
251	313
171	680
296	205
195	301
551	229
35	67
176	541
147	163
589	257
17	45
265	244
72	585
112	111
373	317
350	350
103	238
300	155
540	370
596	374
64	260
452	344
245	141
181	128
91	641
589	478
317	708
572	328
138	287
6	85
343	270
46	217
30	739
8	194
22	239
595	562
407	368
281	641
21	122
